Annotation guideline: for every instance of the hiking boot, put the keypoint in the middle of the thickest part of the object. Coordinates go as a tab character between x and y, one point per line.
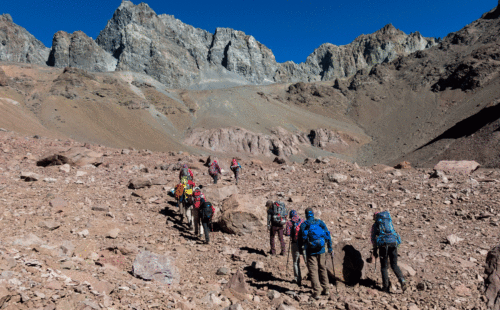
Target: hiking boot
316	296
404	286
282	254
325	292
386	289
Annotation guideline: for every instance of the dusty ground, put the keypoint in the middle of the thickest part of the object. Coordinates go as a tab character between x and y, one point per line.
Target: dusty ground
51	272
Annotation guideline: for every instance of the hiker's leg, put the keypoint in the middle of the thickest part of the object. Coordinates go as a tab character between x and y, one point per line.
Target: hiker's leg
189	215
215	178
312	264
296	262
323	273
282	240
393	256
200	224
206	229
382	252
196	220
271	239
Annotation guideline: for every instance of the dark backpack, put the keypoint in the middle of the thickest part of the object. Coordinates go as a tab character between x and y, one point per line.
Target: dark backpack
279	213
207	211
315	235
384	230
197	196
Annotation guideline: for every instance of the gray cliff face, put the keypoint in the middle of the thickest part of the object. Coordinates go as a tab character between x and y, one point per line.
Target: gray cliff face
329	61
79	51
18	45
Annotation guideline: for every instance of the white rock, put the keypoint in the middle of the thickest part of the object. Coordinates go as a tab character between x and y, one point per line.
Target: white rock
65	168
84	233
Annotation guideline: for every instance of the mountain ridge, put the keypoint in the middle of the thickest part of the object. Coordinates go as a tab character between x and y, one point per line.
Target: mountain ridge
182	56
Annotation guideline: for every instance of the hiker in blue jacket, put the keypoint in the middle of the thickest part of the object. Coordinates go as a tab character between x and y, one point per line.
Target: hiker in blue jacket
314	235
385	240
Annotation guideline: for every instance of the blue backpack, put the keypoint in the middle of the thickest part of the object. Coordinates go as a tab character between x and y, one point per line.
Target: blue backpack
315	237
384	230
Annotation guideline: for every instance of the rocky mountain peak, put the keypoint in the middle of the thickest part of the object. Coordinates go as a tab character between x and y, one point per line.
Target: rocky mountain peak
6	17
18	45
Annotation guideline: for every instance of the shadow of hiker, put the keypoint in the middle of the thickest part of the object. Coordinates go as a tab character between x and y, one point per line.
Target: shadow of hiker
189	236
263	276
347	266
253	251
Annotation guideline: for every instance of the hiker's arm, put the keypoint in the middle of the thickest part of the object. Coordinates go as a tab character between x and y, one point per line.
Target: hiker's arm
300	241
373	237
268	220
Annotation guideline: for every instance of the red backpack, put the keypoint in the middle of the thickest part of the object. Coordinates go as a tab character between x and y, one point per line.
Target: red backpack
197	196
296	229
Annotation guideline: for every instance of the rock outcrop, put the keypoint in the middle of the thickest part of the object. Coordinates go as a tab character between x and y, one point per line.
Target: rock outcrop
80	51
18	45
279	143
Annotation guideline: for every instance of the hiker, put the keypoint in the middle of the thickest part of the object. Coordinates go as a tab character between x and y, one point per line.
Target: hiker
313	237
235	167
197	200
292	229
186	172
207	212
186	206
276	219
214	171
385	240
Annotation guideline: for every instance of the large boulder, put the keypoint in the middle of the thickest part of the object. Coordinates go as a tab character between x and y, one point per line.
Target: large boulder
242	214
76	156
492	281
150	266
460	166
349	264
216	193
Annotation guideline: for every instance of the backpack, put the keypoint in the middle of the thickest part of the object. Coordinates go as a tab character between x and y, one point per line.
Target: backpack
384	230
235	166
315	237
212	170
279	213
207	211
184	172
197	196
179	190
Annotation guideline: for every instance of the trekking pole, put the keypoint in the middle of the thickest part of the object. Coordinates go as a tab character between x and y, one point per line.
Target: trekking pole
335	276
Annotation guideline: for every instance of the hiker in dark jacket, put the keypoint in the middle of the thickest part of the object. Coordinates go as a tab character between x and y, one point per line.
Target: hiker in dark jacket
313	233
186	172
274	229
205	208
214	171
292	229
235	167
388	251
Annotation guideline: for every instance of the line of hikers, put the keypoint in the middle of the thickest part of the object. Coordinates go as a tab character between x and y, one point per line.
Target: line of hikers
310	237
191	201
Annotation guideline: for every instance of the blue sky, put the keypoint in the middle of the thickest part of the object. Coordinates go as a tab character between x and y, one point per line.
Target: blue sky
292	29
